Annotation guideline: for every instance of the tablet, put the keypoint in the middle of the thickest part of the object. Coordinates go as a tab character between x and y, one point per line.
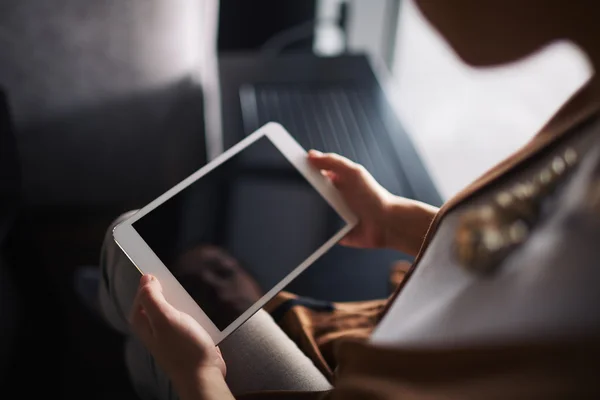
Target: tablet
229	237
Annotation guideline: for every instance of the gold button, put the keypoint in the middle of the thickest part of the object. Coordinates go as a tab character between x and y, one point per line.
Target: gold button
487	234
524	191
570	156
493	240
558	165
486	212
504	199
518	232
545	177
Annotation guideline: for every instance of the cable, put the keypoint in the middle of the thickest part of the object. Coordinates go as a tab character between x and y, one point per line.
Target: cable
278	42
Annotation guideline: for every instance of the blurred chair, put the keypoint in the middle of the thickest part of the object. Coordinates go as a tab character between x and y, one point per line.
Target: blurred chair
9	207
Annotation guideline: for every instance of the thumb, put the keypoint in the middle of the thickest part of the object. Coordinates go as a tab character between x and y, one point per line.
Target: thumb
330	161
153	302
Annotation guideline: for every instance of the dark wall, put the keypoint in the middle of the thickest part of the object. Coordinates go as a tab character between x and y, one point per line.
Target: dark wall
246	25
103	95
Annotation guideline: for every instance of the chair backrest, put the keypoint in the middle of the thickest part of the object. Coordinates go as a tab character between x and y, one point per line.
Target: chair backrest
9	207
105	98
10	174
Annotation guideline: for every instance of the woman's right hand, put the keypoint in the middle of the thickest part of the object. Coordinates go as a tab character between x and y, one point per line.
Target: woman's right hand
385	220
366	198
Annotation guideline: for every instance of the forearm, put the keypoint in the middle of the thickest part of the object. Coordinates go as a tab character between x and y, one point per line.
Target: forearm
407	223
207	385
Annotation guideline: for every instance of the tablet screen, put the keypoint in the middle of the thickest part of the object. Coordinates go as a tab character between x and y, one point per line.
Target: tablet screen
236	232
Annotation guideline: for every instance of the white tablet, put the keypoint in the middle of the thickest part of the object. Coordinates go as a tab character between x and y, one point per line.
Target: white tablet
229	237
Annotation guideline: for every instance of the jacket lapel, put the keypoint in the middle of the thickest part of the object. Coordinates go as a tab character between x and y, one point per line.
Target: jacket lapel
579	108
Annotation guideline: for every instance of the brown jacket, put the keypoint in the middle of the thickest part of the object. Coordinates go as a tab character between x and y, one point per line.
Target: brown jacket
567	368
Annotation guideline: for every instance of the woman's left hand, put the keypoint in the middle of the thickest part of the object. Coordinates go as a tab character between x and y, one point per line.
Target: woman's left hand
178	343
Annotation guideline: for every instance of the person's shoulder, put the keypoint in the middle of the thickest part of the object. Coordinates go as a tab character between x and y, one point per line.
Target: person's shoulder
579	108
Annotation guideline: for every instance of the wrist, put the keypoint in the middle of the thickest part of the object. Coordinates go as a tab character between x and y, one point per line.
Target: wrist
206	383
406	224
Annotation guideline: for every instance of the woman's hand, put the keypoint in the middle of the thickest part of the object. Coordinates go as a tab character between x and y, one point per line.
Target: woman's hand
178	343
366	198
385	220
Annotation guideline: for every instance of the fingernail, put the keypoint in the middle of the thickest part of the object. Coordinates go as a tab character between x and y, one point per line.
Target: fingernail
315	153
146	278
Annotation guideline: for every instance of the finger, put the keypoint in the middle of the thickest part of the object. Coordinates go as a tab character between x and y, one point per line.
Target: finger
330	161
221	362
140	323
351	238
329	175
137	306
402	266
348	241
153	302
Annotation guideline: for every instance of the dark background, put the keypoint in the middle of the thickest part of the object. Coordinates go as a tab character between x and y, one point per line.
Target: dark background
97	135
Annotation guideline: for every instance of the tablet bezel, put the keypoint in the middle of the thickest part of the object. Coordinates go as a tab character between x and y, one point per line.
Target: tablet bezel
147	262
